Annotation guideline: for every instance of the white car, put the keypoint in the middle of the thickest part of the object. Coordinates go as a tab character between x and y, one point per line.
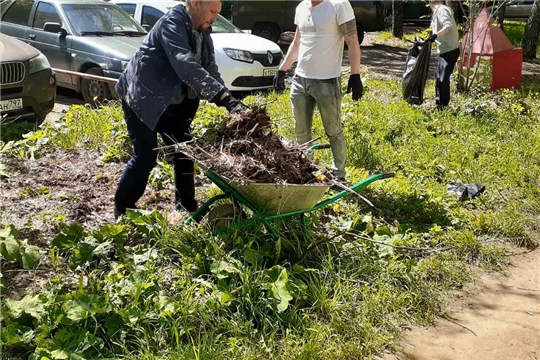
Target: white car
246	62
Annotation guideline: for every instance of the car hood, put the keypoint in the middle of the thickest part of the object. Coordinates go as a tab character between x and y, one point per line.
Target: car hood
118	47
242	41
12	49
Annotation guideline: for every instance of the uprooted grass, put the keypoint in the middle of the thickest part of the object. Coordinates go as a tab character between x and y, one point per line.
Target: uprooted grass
143	289
246	148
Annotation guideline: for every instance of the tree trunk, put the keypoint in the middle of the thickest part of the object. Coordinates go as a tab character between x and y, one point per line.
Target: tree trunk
501	12
397	18
458	12
529	42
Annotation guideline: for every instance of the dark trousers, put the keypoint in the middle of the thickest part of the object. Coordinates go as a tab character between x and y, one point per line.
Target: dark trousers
173	126
447	62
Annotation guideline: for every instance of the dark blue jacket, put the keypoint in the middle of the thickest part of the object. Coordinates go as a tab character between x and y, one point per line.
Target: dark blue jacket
163	63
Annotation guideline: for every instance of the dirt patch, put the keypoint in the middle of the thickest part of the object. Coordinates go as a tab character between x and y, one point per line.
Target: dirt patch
530	73
43	194
63	187
498	319
388	62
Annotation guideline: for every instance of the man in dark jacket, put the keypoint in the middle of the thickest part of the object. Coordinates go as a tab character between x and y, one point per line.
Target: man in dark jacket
160	90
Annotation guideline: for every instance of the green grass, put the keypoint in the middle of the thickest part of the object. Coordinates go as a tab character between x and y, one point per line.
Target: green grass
15	131
514	30
82	127
142	289
386	38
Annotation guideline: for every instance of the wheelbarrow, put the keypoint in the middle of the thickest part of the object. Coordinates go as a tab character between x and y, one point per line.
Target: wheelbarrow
269	202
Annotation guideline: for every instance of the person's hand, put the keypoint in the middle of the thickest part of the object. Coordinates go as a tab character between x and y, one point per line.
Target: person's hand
432	38
279	81
239	108
355	85
233	106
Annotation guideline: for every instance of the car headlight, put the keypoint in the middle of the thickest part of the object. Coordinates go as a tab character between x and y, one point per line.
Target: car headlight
38	63
240	55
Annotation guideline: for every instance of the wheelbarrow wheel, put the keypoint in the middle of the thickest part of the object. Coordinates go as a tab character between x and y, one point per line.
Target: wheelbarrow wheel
223	215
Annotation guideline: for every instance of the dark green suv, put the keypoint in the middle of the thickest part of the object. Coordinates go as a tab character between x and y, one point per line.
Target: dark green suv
269	19
27	83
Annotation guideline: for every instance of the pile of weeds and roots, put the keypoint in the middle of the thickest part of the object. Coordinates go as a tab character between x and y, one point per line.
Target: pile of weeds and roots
246	149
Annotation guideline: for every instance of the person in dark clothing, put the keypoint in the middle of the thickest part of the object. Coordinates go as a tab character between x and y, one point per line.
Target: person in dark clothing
160	90
445	35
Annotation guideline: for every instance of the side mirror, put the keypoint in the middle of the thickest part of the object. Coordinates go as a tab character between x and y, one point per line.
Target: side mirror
147	27
54	28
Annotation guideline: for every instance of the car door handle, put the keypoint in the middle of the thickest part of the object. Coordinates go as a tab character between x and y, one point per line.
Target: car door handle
32	36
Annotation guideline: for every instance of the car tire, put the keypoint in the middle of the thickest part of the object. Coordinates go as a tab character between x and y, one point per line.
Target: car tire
267	30
95	92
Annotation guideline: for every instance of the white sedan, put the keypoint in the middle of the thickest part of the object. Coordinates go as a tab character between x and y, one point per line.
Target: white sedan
246	62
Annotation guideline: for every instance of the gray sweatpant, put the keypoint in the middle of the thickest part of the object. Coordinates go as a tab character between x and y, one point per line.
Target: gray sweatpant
326	94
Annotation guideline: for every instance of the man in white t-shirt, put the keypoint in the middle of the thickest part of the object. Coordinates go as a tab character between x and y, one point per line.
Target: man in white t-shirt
321	28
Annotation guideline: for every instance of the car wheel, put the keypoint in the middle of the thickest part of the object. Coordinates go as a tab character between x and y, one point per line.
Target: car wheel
95	92
268	31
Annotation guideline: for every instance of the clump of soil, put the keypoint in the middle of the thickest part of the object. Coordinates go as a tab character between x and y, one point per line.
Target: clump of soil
247	149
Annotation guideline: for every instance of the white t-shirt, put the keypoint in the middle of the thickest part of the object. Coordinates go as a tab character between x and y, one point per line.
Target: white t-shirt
443	17
321	42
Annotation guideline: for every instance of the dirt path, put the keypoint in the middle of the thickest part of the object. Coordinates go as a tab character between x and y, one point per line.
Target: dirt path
387	62
499	319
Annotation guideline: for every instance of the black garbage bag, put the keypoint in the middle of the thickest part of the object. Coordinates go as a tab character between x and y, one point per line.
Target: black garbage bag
416	71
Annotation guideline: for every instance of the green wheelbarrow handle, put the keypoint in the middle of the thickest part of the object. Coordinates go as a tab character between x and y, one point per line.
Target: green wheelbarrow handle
312	148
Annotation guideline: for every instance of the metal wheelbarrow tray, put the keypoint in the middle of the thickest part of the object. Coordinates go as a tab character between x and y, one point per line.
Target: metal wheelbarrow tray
273	199
270	202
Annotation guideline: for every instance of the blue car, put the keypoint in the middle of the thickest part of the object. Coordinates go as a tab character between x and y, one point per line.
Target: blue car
87	36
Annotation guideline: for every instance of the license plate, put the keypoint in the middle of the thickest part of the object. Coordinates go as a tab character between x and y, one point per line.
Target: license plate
12	104
270	72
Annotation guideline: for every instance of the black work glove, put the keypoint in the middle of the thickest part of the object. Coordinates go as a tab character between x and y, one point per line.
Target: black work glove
432	38
279	81
355	84
233	106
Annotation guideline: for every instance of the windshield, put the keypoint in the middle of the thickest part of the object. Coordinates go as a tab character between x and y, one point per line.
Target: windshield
102	19
221	25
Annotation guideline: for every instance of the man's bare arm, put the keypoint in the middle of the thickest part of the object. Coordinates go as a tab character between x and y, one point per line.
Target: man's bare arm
292	53
350	34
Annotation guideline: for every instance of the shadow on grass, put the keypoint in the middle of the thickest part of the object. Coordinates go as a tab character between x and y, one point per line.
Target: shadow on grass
416	211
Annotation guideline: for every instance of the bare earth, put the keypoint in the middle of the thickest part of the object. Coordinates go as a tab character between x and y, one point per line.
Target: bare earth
498	319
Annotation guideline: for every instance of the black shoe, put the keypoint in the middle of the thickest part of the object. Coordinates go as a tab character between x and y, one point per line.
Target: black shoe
118	213
190	207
